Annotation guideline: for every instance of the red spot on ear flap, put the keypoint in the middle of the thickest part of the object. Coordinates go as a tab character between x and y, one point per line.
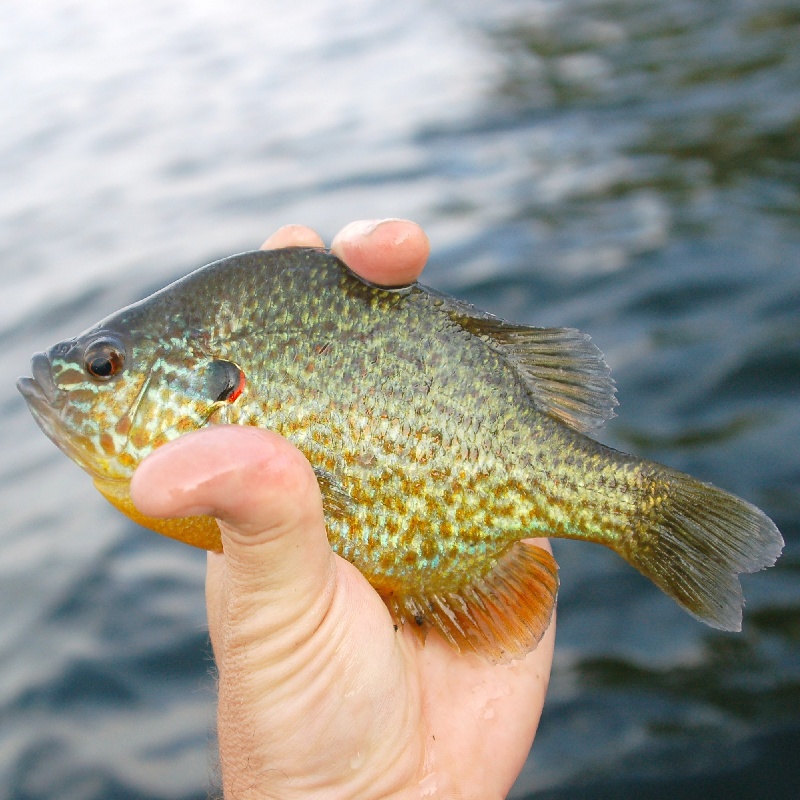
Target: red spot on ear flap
239	389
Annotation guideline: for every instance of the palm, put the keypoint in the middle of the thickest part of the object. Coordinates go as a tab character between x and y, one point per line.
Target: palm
374	711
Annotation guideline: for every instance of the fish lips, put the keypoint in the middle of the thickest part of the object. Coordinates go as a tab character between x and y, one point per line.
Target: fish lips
43	398
42	379
40	391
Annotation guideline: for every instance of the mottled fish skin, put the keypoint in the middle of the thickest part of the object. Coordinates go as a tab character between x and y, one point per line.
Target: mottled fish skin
441	436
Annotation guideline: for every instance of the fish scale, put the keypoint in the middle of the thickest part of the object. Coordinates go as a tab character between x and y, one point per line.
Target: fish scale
442	437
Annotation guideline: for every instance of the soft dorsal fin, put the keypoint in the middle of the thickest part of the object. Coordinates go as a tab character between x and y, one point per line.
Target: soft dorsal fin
563	369
500	616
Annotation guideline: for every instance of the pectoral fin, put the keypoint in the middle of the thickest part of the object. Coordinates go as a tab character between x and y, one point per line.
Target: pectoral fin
335	498
501	616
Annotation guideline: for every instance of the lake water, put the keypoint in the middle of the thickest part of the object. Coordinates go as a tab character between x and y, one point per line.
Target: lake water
628	167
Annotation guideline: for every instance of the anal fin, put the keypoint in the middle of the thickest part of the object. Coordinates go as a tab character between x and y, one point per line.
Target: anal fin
501	616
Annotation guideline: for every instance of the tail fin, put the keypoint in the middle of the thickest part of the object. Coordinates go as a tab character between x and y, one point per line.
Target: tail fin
695	540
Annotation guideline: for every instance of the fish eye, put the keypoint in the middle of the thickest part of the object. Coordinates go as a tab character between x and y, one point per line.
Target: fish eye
104	358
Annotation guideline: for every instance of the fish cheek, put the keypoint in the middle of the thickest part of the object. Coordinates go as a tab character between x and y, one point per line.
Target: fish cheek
177	399
96	419
173	403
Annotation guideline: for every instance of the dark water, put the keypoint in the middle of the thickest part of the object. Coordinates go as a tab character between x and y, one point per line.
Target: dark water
631	168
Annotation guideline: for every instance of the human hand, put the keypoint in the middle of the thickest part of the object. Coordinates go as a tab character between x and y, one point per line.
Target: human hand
319	696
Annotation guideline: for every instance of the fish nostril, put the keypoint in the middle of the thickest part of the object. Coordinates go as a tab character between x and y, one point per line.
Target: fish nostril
62	348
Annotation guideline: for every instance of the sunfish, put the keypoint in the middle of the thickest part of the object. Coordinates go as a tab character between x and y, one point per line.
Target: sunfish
442	437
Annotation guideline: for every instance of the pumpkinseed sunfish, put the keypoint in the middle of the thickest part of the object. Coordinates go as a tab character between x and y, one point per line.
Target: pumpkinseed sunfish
442	437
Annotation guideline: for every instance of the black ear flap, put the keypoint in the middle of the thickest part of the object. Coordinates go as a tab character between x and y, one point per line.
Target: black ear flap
225	381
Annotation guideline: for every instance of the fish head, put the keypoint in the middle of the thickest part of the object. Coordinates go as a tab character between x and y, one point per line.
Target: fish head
84	394
109	398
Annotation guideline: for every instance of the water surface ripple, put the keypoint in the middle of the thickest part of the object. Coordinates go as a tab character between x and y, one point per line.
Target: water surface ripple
628	167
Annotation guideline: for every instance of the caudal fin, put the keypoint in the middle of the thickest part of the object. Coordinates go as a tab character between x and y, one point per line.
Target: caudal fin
694	542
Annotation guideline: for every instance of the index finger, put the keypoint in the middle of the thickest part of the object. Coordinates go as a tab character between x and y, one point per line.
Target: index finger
387	252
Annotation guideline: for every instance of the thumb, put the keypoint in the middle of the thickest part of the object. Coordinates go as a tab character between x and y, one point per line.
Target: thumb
265	496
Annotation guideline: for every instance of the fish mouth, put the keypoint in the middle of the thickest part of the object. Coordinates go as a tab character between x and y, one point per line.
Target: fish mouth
44	398
40	391
43	376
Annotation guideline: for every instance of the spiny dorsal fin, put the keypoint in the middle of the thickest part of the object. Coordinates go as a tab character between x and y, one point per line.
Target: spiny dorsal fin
501	616
563	369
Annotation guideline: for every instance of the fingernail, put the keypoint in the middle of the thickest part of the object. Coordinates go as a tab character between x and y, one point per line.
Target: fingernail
361	228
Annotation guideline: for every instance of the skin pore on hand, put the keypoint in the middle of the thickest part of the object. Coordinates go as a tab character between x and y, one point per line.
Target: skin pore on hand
319	695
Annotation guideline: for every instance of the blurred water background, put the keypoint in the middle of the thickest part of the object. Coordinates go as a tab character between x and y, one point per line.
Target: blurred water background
629	167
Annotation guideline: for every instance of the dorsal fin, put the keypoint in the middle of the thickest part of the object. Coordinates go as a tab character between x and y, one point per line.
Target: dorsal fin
500	616
563	369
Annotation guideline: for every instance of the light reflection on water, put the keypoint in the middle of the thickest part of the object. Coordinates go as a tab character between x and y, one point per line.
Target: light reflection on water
630	168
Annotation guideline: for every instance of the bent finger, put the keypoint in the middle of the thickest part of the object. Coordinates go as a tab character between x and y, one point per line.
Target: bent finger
389	252
266	497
